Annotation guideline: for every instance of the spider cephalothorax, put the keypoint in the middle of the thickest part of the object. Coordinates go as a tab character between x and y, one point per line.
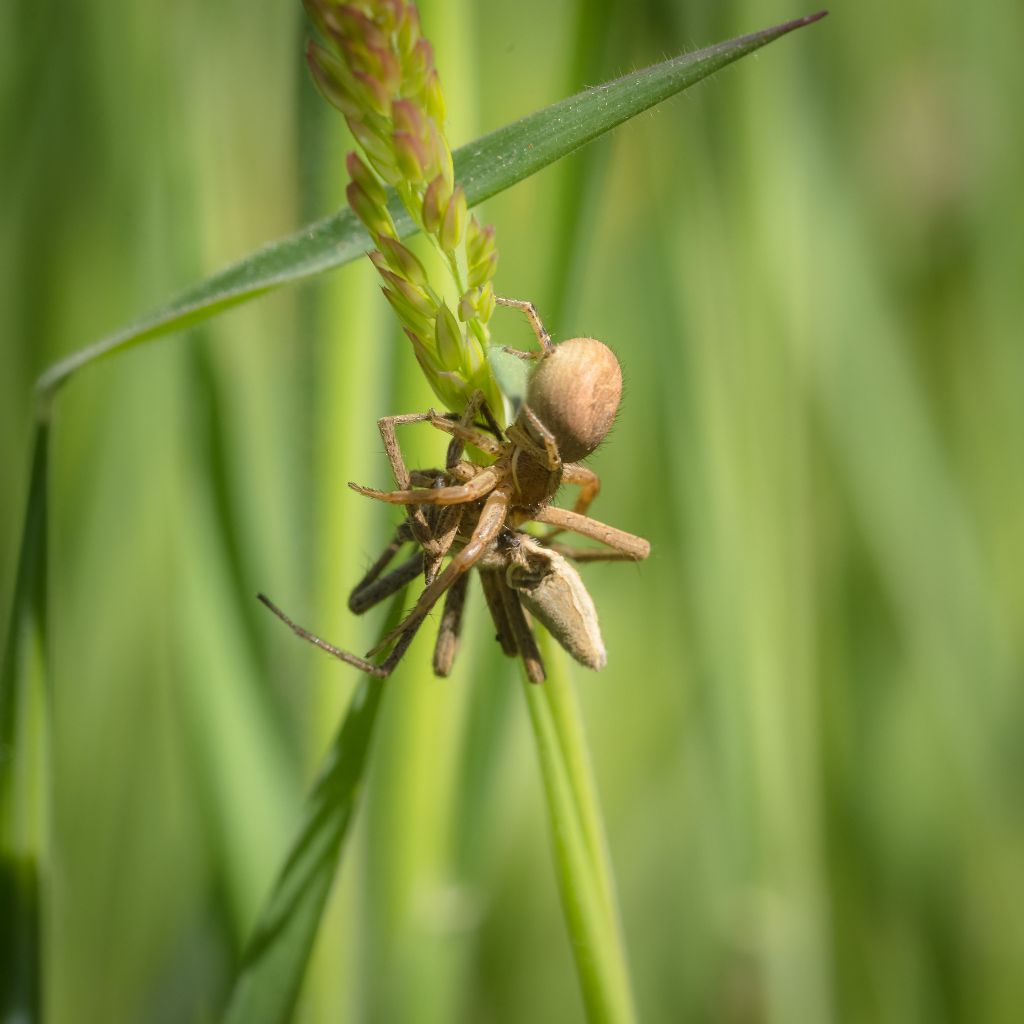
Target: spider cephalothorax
474	513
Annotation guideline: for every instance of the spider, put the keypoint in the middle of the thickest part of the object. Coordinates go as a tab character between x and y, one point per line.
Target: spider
516	570
477	511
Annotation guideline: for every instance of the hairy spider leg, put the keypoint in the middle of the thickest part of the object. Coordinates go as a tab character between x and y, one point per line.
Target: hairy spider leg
444	523
369	593
589	484
386	426
475	488
635	548
447	645
445	520
543	338
543	446
464	423
468	434
586	480
401	536
489	525
434	538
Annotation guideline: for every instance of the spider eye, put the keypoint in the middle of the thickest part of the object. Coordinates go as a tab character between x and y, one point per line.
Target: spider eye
575	392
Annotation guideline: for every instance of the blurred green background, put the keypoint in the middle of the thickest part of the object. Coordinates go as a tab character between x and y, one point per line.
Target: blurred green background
809	739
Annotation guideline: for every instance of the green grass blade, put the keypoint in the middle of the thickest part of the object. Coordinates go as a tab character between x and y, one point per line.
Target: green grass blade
23	739
484	167
275	960
581	856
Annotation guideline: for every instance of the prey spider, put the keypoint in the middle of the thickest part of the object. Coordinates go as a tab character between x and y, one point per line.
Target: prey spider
476	512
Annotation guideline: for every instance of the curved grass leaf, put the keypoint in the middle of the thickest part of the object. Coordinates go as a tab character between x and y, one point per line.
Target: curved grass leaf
275	959
22	736
485	167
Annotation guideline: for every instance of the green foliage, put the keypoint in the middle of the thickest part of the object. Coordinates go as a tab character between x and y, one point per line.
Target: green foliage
807	737
276	955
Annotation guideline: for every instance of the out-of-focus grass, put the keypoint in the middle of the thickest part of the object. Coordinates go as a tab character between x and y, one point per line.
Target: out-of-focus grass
807	739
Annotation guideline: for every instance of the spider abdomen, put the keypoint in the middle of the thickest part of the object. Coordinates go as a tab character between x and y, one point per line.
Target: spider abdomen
575	392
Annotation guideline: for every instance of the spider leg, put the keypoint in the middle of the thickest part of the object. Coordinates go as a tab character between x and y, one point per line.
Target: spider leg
635	548
525	640
447	645
492	423
492	519
463	430
444	521
588	482
371	592
381	671
425	477
543	338
401	536
458	494
462	471
386	425
467	434
586	554
420	528
535	438
491	581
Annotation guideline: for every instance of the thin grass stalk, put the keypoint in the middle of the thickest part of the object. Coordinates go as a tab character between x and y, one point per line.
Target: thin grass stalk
581	853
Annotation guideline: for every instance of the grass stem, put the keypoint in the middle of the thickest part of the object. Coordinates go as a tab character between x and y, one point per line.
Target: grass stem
585	881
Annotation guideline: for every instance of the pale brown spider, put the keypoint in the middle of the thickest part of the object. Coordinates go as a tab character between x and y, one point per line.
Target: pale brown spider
476	511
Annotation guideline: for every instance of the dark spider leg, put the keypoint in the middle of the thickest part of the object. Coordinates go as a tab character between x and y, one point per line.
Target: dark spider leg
448	632
492	423
525	640
443	522
490	580
370	593
401	536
